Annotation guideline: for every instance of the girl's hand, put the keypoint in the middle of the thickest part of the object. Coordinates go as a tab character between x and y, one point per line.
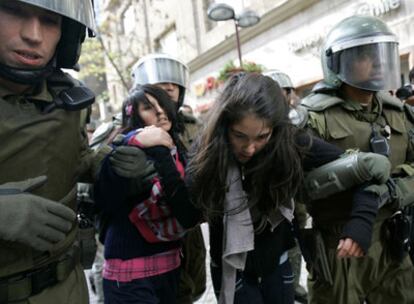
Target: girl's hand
152	136
349	248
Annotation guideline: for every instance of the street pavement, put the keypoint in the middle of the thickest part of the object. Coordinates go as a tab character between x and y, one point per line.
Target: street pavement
208	297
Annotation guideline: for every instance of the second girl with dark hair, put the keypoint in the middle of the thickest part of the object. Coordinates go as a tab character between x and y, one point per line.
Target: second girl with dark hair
142	240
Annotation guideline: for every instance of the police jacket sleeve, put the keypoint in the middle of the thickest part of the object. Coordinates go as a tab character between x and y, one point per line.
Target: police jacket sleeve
174	187
363	213
87	159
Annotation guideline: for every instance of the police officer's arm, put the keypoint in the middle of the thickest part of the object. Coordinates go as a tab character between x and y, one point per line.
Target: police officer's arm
398	189
99	155
316	123
403	181
125	171
89	161
120	168
350	169
363	167
128	160
30	219
121	176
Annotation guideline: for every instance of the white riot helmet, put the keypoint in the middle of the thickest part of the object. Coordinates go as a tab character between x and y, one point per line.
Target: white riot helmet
77	16
161	68
281	78
363	52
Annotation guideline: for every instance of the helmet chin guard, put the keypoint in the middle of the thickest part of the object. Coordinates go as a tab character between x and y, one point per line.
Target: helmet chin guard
25	76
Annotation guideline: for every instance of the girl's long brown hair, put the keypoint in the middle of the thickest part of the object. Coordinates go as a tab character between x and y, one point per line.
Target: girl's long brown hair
274	174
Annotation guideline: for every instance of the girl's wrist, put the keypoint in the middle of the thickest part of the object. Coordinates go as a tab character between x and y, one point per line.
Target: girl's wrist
134	141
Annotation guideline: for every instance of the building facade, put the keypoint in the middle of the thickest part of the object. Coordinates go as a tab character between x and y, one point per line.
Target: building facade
288	37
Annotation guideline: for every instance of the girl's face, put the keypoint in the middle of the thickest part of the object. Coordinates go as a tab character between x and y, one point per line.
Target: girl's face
153	115
248	137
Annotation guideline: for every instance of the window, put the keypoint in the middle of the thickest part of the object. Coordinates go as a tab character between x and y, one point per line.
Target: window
208	24
129	20
168	42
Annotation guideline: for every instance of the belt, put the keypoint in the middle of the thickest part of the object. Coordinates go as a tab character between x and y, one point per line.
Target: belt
21	286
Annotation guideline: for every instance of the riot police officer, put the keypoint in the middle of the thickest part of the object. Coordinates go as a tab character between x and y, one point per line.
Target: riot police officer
286	84
360	59
297	114
44	150
171	74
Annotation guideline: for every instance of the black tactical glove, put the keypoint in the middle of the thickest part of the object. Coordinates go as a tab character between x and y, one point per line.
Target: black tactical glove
30	219
130	162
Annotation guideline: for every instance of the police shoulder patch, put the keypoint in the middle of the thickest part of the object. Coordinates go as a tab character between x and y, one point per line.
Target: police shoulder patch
319	102
389	101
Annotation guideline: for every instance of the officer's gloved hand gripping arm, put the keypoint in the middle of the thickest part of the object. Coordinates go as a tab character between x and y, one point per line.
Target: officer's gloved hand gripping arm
30	219
130	162
347	172
398	190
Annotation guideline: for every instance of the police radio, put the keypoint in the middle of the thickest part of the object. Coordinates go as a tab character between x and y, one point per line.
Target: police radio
75	98
379	144
86	232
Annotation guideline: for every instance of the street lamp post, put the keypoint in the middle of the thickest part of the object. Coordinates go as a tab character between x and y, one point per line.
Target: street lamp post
222	12
238	43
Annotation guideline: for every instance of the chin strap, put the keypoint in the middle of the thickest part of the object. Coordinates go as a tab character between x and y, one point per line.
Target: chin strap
25	76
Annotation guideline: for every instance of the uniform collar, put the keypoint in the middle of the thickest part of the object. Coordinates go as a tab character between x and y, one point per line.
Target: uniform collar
353	105
4	92
363	113
38	93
